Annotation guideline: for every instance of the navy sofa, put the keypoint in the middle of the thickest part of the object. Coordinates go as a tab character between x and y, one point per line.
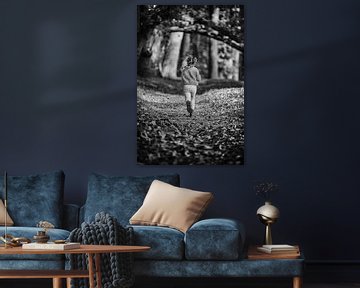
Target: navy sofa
32	199
210	248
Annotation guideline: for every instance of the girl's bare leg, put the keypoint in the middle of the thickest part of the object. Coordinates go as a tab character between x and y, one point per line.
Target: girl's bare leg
193	100
193	103
188	101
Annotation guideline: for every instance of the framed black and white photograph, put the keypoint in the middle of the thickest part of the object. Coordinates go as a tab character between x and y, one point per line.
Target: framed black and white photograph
190	85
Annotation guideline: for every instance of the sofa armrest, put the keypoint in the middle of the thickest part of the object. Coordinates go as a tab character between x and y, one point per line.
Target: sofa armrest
81	214
215	239
71	216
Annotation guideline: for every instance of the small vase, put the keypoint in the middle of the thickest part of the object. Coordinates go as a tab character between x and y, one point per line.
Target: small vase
41	237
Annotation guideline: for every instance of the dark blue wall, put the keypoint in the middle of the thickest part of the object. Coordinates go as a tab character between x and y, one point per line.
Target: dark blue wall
68	101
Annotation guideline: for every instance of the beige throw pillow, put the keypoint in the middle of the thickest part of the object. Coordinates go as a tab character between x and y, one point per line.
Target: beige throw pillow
170	206
9	221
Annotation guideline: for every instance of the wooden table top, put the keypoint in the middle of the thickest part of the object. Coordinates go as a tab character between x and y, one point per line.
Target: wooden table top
91	249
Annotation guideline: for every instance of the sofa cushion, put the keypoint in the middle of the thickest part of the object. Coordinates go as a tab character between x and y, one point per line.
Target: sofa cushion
39	264
214	239
119	196
165	243
35	198
170	206
9	221
29	232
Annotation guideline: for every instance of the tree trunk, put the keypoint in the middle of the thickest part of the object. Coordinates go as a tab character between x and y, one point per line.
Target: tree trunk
144	54
185	49
214	46
241	67
169	67
150	53
196	45
236	57
157	52
200	49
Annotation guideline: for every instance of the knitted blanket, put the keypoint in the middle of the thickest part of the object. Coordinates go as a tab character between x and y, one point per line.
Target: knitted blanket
116	268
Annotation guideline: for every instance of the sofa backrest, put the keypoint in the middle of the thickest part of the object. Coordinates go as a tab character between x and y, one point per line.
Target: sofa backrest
35	198
119	196
70	219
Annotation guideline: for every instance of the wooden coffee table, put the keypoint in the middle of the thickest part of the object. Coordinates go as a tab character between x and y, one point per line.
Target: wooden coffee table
92	251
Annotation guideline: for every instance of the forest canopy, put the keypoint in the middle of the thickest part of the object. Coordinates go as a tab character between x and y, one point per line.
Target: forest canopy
213	34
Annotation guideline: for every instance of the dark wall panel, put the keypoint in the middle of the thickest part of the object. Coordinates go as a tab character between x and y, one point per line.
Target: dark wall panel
68	101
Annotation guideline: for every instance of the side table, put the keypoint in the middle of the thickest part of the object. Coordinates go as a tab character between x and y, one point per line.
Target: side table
288	259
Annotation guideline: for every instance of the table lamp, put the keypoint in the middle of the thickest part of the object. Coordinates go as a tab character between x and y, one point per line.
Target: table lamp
268	214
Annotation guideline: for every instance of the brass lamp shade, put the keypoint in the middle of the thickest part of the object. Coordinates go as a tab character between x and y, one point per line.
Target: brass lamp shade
268	214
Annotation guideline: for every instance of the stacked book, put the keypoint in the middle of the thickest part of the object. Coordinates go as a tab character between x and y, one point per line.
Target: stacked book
273	252
51	246
279	249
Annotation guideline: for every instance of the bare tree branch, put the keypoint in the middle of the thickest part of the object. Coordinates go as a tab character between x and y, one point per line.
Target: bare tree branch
211	33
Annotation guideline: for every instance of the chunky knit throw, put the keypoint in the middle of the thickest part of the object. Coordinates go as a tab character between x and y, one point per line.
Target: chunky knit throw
116	268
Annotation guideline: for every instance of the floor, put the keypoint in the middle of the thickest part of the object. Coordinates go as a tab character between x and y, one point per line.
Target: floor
344	285
287	285
241	283
247	284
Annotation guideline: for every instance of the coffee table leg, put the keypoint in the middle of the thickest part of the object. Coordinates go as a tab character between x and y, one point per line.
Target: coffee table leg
98	270
57	283
68	282
297	282
91	270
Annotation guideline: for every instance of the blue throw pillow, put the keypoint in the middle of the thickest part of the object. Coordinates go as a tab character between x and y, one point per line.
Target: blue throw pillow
120	196
35	198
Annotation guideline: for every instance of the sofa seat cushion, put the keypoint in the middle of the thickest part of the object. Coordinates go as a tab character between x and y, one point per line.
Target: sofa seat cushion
29	232
213	269
120	196
166	243
214	239
39	264
35	198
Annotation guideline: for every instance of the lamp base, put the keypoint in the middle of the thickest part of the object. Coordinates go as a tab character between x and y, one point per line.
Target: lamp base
268	237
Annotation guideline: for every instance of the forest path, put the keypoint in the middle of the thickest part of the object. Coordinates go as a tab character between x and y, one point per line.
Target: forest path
213	135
